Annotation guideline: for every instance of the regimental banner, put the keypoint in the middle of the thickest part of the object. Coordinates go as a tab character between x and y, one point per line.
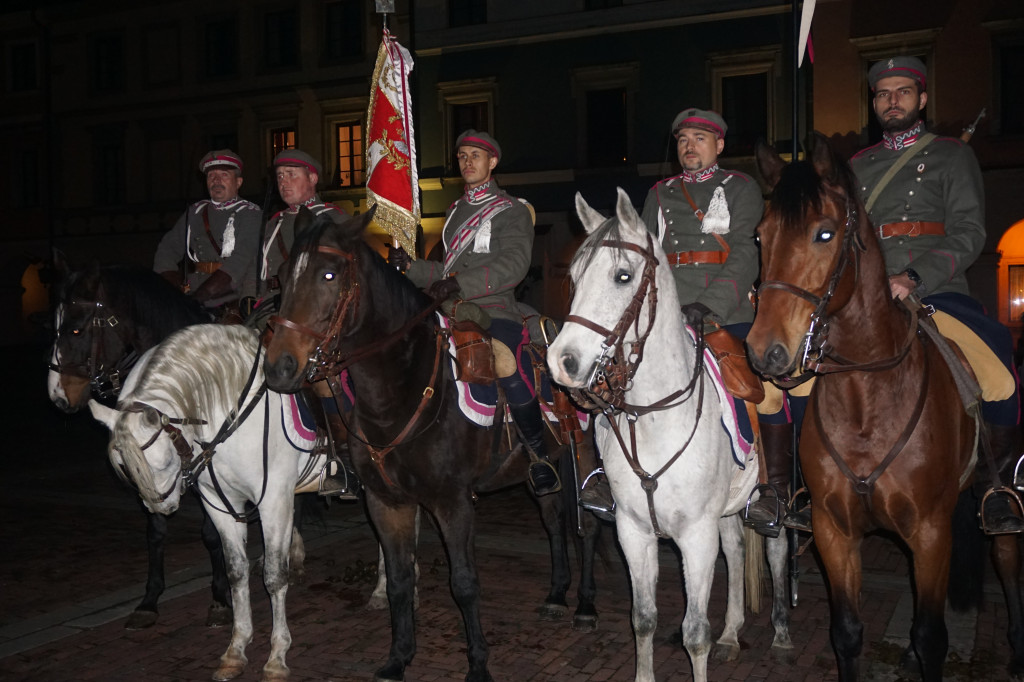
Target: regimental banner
391	176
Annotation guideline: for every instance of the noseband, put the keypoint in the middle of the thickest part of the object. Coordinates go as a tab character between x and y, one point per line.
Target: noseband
168	425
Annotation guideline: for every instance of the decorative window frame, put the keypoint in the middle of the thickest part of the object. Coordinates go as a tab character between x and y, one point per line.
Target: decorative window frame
765	61
454	93
604	77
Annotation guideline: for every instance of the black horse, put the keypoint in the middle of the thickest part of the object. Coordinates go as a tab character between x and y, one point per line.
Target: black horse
106	317
409	443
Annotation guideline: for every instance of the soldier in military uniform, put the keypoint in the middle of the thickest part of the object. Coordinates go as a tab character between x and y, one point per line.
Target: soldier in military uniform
705	218
930	218
213	244
297	176
488	243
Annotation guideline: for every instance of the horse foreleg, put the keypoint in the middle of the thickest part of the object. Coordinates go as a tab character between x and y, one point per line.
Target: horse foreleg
731	533
1006	559
552	514
930	546
145	614
396	531
840	556
279	538
219	612
640	547
698	543
379	598
456	524
778	560
232	535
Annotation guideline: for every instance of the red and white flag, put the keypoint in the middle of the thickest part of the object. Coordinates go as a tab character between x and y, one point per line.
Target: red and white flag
391	176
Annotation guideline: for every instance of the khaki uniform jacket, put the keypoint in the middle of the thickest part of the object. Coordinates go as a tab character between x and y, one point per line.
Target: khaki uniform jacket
724	288
488	246
940	183
245	216
278	239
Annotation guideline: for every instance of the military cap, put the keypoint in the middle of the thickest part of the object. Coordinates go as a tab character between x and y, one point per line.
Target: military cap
296	157
909	67
481	140
220	158
702	119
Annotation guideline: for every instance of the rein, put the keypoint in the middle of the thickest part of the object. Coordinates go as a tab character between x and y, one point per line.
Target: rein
613	372
104	382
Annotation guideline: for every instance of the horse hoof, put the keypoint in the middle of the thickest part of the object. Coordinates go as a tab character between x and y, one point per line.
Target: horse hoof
726	653
228	672
219	615
276	673
782	645
553	611
377	603
584	623
140	620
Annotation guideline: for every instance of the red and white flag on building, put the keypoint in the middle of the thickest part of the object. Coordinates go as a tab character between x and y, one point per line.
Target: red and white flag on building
391	177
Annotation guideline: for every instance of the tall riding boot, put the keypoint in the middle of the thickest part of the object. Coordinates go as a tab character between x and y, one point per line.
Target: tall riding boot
339	478
765	514
595	494
530	422
1000	512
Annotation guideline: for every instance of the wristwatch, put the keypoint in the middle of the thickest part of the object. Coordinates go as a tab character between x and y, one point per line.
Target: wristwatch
914	277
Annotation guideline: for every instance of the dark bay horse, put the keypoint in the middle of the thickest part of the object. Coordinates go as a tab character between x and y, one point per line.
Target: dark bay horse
342	305
106	317
886	442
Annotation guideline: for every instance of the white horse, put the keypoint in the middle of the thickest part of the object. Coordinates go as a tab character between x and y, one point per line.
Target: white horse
681	481
176	402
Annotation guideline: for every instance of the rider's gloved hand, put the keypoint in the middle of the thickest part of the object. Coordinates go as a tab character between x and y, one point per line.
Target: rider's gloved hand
695	313
443	288
398	257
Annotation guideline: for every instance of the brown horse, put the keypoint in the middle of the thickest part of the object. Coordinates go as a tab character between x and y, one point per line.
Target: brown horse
886	442
342	305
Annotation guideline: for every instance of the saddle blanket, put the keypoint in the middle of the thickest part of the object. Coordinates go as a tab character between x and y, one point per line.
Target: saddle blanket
297	422
478	402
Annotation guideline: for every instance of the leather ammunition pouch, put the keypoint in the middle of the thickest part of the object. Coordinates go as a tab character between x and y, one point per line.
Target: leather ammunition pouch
739	379
474	357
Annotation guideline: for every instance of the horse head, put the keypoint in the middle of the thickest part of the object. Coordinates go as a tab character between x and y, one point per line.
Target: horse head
813	235
615	289
320	295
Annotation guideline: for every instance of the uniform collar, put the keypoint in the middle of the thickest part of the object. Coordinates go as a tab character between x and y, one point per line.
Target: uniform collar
700	176
904	138
308	202
480	193
225	204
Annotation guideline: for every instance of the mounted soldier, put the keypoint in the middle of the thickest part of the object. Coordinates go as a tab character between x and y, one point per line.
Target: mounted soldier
210	248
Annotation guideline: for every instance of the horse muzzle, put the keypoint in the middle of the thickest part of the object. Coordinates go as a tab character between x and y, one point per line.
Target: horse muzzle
284	374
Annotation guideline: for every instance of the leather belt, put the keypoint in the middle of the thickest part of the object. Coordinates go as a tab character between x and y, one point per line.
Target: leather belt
913	229
208	266
696	257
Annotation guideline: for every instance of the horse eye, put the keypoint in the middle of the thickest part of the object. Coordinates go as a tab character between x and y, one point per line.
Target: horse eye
329	276
76	332
623	277
825	236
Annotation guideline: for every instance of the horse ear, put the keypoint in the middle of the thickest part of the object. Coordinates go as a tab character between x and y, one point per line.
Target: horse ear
822	157
769	163
624	209
303	220
590	218
103	414
356	225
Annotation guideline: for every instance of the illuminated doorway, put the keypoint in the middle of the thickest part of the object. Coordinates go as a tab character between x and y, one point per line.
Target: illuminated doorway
1011	278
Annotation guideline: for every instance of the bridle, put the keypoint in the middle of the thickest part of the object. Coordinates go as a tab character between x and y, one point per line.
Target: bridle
612	375
104	382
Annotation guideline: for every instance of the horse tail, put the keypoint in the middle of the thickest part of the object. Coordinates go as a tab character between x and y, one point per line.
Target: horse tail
967	564
125	448
753	568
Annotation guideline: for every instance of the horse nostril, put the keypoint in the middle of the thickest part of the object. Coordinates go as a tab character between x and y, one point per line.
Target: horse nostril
777	357
570	363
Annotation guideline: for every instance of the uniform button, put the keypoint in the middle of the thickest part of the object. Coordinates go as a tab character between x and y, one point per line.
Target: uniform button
906	207
863	188
702	240
675	242
911	193
918	178
904	218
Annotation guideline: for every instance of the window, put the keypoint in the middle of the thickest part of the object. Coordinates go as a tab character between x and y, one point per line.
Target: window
160	45
604	104
467	12
108	63
343	30
351	171
743	93
221	48
466	104
281	39
607	128
1016	281
1009	92
24	182
108	162
23	69
281	139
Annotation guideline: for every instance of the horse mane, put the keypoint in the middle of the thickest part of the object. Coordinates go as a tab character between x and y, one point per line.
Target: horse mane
800	188
201	371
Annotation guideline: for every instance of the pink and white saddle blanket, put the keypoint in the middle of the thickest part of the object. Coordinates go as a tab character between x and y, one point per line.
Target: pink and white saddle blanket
297	422
478	402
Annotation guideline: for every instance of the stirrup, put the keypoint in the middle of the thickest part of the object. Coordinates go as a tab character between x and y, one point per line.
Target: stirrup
1018	474
334	480
770	527
543	477
594	499
988	525
799	518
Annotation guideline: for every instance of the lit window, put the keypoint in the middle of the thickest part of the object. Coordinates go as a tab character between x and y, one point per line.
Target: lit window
351	159
281	139
1016	292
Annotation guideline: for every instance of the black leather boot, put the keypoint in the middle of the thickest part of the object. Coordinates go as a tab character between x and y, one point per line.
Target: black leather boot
765	514
338	479
1000	509
530	422
595	495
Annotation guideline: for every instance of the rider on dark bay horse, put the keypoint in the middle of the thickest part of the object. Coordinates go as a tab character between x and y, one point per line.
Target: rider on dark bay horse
706	217
488	245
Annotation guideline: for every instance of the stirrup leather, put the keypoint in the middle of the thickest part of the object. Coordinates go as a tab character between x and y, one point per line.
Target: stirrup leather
799	517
